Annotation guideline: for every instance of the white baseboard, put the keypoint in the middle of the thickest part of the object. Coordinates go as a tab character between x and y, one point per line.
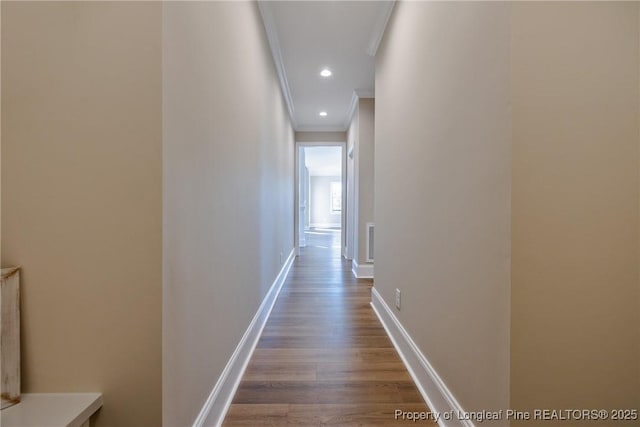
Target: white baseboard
434	391
217	404
362	271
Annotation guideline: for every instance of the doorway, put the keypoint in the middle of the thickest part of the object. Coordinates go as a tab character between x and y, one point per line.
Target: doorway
321	198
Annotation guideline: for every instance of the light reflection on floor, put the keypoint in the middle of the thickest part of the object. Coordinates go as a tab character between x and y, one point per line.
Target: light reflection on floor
324	238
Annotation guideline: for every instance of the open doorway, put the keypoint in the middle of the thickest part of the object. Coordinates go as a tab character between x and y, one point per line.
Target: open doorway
321	197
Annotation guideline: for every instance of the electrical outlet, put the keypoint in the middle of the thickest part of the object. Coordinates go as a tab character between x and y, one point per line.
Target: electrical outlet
398	298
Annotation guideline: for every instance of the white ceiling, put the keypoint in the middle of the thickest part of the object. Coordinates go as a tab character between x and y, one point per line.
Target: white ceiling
323	161
307	36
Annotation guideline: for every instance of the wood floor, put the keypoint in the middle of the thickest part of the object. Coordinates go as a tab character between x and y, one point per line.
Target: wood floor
323	357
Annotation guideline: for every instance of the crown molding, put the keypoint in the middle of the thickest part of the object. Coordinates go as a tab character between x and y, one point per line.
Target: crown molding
381	25
351	109
274	44
355	96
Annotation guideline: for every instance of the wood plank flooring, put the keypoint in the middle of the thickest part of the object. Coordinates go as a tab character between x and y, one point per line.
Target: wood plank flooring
323	358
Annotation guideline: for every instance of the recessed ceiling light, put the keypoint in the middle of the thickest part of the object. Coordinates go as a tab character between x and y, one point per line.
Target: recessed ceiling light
325	72
323	114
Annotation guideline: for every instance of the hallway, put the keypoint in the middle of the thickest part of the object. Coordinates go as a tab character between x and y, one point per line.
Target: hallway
323	357
158	181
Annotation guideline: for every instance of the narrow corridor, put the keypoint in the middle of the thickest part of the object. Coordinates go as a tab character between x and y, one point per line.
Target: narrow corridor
323	357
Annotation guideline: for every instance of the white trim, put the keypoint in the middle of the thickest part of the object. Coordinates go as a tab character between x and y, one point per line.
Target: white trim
380	27
302	240
274	44
346	254
434	391
362	271
296	218
351	109
217	404
355	96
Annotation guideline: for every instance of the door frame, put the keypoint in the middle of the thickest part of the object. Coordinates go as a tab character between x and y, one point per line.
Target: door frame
296	195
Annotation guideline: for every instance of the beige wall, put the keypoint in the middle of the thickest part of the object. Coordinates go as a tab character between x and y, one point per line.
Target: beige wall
0	134
360	177
228	182
575	206
553	184
81	198
351	206
442	175
364	170
321	136
320	201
